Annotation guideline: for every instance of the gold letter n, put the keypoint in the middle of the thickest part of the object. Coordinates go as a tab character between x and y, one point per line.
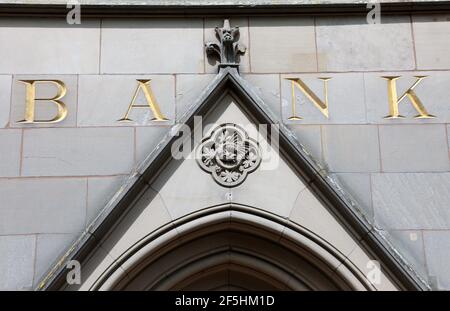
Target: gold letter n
394	102
151	102
322	106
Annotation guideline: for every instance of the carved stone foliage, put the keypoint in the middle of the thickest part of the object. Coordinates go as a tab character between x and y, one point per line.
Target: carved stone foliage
229	154
228	50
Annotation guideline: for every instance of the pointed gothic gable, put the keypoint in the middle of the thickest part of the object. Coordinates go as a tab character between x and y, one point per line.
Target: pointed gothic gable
170	213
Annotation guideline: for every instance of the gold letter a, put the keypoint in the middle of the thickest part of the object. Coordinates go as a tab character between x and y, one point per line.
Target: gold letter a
151	102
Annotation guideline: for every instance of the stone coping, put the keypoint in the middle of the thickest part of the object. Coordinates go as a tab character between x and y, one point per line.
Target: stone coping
213	3
95	8
146	8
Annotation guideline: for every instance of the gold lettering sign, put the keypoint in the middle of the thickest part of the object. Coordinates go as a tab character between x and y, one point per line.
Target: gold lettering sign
144	85
414	99
31	101
322	106
151	103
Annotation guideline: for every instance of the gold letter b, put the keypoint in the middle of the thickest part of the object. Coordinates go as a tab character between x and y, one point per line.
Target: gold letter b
31	100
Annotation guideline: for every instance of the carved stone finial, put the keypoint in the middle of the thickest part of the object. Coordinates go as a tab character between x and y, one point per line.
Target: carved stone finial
228	50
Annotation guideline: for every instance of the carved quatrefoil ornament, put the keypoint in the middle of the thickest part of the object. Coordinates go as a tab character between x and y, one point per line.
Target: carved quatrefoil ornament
228	154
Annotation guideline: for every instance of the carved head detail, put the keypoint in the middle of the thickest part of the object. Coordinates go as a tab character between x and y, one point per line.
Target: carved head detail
227	34
227	37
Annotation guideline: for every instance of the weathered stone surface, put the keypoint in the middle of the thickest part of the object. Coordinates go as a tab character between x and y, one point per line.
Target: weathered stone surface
432	92
148	214
181	195
5	99
10	142
345	96
350	43
448	137
267	87
147	138
361	259
280	186
210	36
295	48
310	136
431	39
93	268
17	262
437	252
411	246
57	47
104	99
100	191
358	185
152	45
50	205
44	110
80	151
414	148
351	148
307	209
49	247
411	201
189	88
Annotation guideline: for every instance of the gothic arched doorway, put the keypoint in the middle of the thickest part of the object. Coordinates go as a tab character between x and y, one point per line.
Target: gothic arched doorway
232	248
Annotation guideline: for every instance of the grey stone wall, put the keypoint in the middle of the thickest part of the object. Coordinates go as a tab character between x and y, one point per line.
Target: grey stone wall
55	178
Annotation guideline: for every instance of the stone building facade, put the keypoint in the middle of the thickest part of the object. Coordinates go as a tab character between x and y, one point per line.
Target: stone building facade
57	178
